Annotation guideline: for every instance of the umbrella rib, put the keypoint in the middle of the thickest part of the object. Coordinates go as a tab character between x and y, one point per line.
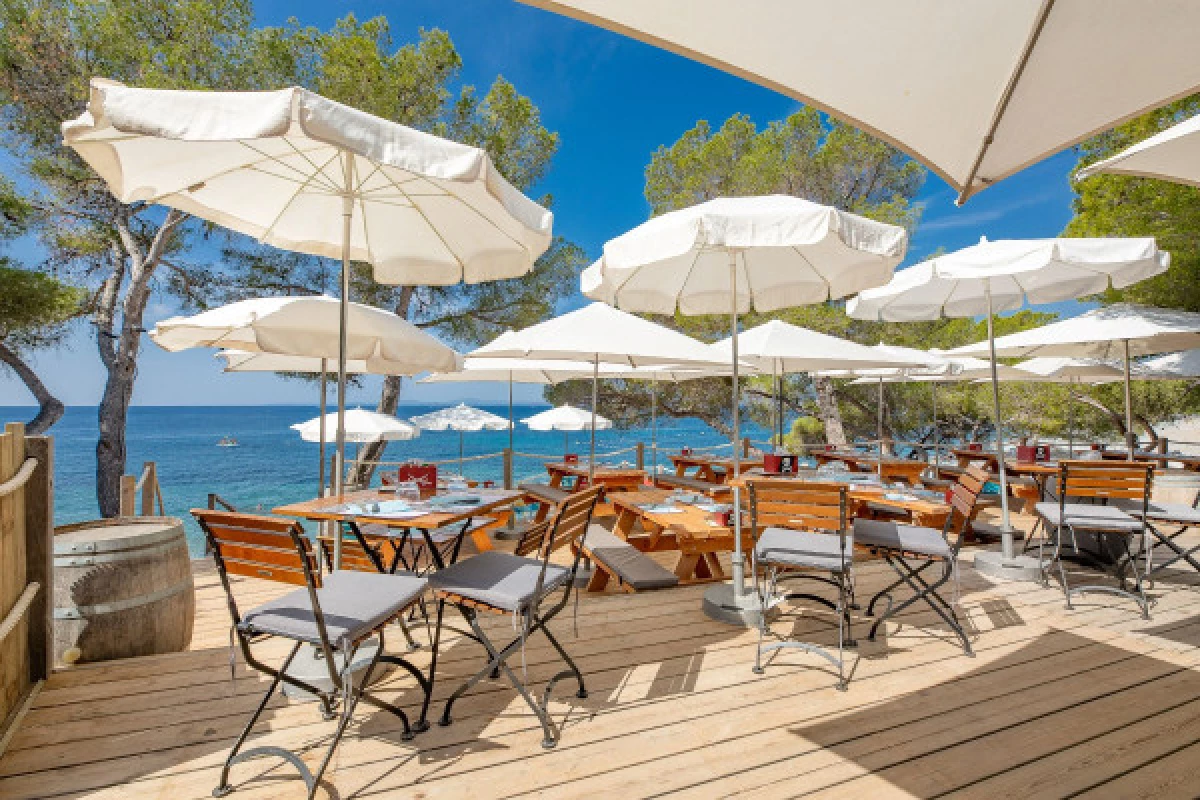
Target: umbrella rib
462	268
813	267
319	170
472	209
267	231
253	165
268	157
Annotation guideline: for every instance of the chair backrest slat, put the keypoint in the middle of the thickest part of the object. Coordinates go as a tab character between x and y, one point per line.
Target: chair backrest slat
571	522
964	495
354	558
1105	480
798	504
259	546
534	537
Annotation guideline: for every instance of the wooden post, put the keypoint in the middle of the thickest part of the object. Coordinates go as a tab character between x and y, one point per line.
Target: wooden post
508	468
149	482
128	495
14	681
745	447
39	553
641	455
1163	445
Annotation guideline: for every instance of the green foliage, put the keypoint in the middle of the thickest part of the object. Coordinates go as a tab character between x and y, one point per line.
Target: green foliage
805	430
35	307
1112	205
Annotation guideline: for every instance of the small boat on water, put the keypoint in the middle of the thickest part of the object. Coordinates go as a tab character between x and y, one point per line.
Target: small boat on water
227	441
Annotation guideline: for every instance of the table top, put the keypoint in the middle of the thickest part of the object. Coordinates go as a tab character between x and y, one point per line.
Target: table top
700	460
866	458
689	518
869	493
581	470
330	508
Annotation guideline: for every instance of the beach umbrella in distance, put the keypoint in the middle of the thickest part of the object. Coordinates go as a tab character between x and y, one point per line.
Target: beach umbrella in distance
600	334
461	418
1004	275
1121	331
1170	155
977	91
568	418
732	255
307	174
244	361
361	427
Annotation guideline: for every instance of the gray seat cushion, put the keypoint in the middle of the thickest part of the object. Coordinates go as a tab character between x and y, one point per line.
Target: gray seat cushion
629	564
791	548
896	536
501	580
1083	516
353	605
1180	513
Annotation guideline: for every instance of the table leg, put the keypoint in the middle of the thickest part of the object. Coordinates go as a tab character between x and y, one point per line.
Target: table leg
687	566
714	566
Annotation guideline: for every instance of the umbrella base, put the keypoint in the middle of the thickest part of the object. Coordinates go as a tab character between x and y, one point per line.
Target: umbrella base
309	666
721	604
1018	568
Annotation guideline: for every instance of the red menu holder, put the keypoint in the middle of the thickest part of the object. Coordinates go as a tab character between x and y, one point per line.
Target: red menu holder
489	484
1026	453
780	464
1098	447
829	448
685	451
723	518
571	458
975	447
425	475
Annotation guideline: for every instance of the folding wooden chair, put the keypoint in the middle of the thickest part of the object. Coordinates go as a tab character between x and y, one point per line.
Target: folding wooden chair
519	584
1100	482
910	550
335	613
801	534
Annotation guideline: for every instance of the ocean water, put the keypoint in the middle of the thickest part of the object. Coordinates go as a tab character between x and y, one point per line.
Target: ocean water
271	465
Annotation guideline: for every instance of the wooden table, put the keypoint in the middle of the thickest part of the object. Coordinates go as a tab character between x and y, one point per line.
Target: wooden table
1191	463
710	468
903	469
689	531
613	479
329	509
925	513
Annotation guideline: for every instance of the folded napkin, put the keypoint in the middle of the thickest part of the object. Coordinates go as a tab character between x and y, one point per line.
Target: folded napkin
388	509
661	509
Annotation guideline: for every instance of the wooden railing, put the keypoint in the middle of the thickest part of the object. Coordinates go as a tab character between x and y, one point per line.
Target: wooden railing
26	550
147	487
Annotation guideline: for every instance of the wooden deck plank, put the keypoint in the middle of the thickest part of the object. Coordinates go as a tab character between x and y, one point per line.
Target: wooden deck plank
674	709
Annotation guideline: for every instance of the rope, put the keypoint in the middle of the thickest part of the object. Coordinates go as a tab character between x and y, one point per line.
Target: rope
18	610
18	480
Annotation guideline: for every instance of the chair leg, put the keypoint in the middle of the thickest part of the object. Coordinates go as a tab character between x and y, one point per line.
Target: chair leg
581	693
423	720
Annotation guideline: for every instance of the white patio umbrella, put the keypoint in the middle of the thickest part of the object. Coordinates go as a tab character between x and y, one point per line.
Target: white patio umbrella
568	418
600	334
361	427
731	255
304	173
461	418
977	91
779	348
1004	275
1122	331
1170	155
1175	365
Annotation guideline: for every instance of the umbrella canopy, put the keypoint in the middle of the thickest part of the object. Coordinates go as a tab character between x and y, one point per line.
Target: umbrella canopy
567	418
976	91
778	347
1012	272
461	417
600	334
285	167
1175	365
1059	369
1170	155
783	252
310	327
1102	333
361	426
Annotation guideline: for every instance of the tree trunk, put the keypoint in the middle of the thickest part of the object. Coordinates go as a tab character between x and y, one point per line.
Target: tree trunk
828	411
50	408
1149	429
110	446
1116	418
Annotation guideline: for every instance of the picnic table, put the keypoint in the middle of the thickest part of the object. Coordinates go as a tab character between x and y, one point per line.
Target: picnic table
613	479
350	510
904	469
713	469
690	530
1190	463
924	511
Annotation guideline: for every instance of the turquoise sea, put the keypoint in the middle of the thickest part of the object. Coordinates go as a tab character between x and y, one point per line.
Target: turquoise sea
271	465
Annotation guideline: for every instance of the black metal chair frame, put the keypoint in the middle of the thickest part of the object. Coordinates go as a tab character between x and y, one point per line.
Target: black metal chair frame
1167	539
1123	566
329	700
902	562
768	580
544	538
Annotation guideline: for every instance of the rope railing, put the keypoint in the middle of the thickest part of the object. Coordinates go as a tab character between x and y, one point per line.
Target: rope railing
18	480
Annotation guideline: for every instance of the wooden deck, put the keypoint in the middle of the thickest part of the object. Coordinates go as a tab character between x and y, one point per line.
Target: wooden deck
1093	701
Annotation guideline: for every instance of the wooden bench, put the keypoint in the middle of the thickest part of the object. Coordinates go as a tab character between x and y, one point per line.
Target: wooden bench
691	484
615	558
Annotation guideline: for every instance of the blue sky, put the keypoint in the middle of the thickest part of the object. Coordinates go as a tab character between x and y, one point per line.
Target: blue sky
613	101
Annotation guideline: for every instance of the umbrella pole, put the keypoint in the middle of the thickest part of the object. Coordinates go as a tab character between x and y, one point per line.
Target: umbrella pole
1130	436
321	466
1070	422
879	428
511	423
460	455
937	451
739	565
1006	536
343	321
654	423
595	390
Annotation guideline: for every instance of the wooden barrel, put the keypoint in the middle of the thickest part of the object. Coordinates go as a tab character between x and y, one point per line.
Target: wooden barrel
122	587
